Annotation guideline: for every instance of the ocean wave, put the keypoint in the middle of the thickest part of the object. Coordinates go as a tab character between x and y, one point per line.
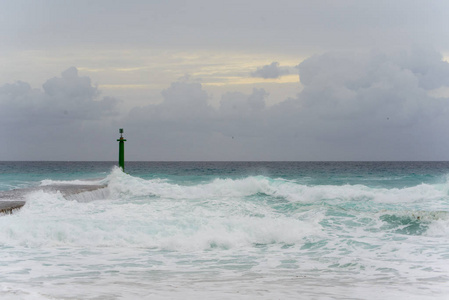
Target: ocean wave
221	213
122	184
49	220
47	182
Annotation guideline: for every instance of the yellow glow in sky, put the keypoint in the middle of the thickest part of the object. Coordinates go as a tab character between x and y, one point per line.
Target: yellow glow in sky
253	80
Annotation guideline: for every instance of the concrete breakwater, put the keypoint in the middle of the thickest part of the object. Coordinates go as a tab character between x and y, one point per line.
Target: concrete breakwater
13	200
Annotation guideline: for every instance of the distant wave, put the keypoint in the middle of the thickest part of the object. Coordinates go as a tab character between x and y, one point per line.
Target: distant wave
123	184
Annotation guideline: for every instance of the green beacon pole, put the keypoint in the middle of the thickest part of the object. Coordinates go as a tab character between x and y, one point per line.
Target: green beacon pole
121	152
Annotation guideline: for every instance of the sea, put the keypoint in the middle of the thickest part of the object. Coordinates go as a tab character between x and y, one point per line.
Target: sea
226	230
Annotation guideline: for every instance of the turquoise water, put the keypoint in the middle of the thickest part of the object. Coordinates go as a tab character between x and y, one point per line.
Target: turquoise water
220	230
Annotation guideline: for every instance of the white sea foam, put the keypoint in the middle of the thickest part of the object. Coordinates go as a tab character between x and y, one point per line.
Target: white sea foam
47	182
123	185
98	194
439	227
49	219
227	238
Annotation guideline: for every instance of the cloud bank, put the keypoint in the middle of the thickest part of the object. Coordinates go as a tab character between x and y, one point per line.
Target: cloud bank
51	123
354	106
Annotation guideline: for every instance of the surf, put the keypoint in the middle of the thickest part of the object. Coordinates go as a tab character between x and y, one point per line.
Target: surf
215	225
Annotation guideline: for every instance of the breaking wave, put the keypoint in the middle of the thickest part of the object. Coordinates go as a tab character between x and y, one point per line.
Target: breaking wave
222	213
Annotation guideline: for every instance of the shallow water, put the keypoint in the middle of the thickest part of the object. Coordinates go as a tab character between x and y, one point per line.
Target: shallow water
228	230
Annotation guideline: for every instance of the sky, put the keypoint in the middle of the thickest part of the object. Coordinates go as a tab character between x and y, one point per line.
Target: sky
285	80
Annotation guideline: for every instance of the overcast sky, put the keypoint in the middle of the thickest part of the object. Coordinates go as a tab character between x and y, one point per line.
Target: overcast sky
224	80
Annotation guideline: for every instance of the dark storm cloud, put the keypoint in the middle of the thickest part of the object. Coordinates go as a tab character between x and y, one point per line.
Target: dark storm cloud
270	71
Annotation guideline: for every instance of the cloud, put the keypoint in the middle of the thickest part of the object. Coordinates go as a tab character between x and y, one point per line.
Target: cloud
270	71
241	105
183	102
56	117
374	105
353	106
185	127
63	99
